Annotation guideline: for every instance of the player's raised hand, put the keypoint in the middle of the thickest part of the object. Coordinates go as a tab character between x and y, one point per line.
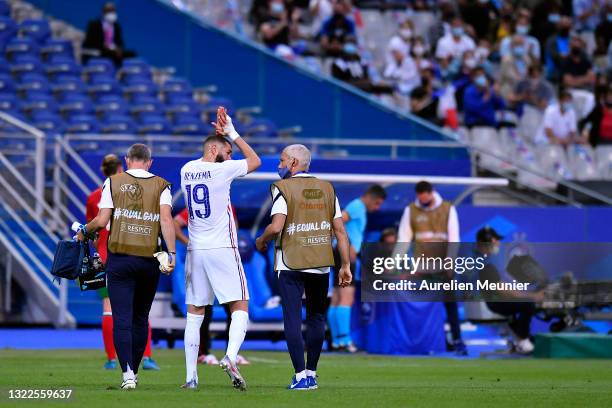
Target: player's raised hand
224	126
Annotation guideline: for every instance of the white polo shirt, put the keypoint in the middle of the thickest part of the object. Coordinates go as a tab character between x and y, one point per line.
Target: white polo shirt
106	201
280	207
448	47
561	124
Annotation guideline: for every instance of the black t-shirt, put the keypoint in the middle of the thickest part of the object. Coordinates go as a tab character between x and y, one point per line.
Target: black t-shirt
282	37
576	68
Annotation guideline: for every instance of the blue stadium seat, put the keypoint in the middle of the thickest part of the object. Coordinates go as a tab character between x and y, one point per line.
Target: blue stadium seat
33	82
259	291
48	122
4	65
191	126
261	127
107	107
140	87
28	64
7	85
102	85
20	46
134	72
154	125
67	86
213	103
130	63
116	123
39	103
177	86
8	29
56	47
83	124
36	29
183	109
76	104
64	68
8	102
143	105
5	9
97	66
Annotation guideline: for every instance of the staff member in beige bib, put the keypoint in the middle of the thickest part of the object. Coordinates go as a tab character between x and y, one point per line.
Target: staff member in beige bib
305	211
139	206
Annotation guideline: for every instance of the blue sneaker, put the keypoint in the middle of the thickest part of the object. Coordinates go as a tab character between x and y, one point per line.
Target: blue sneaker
110	365
149	364
460	348
302	385
312	383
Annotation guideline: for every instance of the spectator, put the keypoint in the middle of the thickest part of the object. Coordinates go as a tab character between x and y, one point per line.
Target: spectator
337	28
402	72
513	68
597	126
481	15
521	29
455	44
401	40
480	101
586	14
557	48
258	12
577	70
320	10
104	37
350	68
559	123
276	27
424	105
603	32
546	17
534	90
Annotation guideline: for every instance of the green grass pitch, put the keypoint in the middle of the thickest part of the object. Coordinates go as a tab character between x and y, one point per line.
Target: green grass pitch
345	381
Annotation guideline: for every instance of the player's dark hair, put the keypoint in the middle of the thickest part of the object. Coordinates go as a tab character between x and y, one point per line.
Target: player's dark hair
423	187
376	191
110	165
139	152
215	139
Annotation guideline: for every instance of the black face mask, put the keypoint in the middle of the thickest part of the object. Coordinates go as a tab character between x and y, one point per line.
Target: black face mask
576	51
609	103
219	158
564	32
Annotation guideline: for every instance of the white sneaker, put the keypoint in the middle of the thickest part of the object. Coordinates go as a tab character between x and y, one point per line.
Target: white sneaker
128	384
524	346
241	360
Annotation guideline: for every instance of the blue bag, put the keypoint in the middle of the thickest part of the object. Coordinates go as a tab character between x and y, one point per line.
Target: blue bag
68	259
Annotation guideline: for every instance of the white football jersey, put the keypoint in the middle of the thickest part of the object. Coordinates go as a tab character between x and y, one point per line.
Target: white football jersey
206	189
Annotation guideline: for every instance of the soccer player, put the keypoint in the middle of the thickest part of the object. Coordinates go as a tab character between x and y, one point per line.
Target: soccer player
111	165
354	216
213	266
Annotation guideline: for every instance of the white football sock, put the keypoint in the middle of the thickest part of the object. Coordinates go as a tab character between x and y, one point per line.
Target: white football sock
129	374
301	375
311	373
192	345
237	331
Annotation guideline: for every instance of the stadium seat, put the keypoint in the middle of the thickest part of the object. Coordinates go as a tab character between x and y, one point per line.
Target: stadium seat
103	85
213	103
8	29
83	124
75	104
5	8
140	87
99	66
55	48
553	161
261	127
154	125
33	82
68	86
117	123
20	46
190	126
604	161
259	291
582	162
8	102
27	64
146	104
132	73
48	122
37	101
489	140
64	68
36	29
7	85
111	106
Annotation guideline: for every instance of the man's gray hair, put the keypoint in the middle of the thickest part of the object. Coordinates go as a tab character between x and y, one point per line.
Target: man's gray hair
139	152
301	153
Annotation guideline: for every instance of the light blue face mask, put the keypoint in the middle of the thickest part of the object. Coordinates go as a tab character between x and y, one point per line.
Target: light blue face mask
567	106
522	30
554	18
609	17
518	50
284	172
277	8
457	31
481	81
350	48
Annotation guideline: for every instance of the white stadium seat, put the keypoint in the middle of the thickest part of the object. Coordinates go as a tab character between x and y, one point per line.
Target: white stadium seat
553	161
582	162
604	161
488	139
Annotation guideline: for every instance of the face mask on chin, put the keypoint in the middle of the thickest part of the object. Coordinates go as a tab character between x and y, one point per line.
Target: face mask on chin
284	172
425	203
110	17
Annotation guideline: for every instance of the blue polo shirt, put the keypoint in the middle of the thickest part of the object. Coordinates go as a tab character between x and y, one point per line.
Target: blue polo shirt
356	225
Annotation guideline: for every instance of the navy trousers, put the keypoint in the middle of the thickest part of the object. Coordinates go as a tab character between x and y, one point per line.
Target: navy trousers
132	283
292	285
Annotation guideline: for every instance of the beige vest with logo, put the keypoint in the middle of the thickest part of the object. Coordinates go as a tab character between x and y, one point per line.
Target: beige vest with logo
306	239
430	227
135	226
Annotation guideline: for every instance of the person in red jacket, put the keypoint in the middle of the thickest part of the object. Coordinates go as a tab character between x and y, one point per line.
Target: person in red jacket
111	165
